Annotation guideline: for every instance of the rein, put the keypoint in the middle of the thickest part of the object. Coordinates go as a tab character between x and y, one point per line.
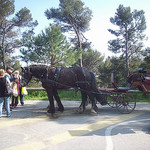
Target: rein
57	74
76	88
55	82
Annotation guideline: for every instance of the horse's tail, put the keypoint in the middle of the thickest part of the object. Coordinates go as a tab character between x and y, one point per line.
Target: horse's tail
100	96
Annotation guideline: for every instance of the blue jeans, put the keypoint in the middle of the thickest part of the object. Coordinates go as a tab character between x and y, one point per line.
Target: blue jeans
7	106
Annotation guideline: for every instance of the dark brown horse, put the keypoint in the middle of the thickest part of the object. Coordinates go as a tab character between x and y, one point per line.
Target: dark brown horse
54	78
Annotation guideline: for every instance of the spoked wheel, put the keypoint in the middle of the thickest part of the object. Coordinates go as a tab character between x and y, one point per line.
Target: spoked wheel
125	103
111	100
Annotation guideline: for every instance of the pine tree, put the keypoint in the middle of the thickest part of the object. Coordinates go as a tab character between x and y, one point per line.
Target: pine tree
129	33
72	17
9	26
49	47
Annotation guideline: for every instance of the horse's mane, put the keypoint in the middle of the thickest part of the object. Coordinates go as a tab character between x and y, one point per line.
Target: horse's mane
37	65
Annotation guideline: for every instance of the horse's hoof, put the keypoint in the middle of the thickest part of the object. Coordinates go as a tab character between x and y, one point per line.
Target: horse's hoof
54	116
79	110
48	107
60	110
49	114
93	111
86	103
104	103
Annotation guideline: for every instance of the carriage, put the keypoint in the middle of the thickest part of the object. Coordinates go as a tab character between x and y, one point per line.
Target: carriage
121	97
55	78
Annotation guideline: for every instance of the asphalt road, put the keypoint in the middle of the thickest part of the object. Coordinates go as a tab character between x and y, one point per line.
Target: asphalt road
29	128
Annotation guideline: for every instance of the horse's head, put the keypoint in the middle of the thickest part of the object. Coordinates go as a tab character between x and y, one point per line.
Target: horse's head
26	75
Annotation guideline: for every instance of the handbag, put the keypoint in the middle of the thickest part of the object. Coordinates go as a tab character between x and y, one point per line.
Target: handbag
24	91
15	91
8	90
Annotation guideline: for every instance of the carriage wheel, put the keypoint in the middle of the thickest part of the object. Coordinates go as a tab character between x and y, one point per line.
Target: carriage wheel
125	103
111	100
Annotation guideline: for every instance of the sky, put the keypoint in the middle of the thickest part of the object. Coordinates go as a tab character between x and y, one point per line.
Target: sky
100	23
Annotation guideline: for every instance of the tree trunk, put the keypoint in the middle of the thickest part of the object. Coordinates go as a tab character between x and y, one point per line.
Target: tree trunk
81	63
79	41
3	59
126	52
3	51
80	46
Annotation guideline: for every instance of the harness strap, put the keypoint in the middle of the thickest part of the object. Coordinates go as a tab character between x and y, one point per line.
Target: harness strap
83	71
76	78
84	74
57	73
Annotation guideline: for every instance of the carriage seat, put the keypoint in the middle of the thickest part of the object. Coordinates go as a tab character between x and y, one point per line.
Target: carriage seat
147	79
121	89
147	76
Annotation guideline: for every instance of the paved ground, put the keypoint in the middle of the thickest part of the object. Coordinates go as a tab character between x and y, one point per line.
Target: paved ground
30	128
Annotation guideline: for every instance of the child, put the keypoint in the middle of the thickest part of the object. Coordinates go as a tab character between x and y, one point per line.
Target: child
18	86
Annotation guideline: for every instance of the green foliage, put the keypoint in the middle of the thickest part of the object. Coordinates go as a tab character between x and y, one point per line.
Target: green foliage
49	47
36	95
135	63
42	95
27	42
35	83
73	96
16	65
129	33
141	97
70	95
146	63
73	17
112	65
72	14
92	59
9	26
23	18
6	8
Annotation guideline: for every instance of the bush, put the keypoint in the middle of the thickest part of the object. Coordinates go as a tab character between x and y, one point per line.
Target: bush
42	95
75	96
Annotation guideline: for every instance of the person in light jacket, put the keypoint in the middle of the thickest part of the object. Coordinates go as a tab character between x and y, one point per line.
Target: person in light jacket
3	97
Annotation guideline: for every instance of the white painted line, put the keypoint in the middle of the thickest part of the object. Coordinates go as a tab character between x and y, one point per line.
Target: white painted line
109	143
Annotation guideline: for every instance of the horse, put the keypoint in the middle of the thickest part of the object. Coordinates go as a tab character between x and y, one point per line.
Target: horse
61	78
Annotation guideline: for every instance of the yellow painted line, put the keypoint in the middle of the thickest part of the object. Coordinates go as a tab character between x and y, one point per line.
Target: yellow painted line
28	146
9	122
63	137
13	122
90	128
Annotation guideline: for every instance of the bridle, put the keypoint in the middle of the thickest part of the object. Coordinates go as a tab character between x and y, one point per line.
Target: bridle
26	81
44	74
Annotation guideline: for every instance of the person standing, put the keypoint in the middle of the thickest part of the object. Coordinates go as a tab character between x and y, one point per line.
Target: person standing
17	84
8	73
3	97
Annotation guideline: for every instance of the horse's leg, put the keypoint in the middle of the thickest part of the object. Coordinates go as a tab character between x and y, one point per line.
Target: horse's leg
94	108
51	109
57	98
82	105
